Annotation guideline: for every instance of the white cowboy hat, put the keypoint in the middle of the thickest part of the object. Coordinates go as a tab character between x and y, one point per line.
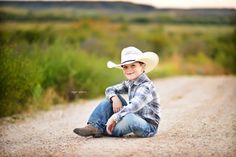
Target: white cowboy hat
131	54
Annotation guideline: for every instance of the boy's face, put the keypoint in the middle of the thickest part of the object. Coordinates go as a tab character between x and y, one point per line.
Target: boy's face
133	70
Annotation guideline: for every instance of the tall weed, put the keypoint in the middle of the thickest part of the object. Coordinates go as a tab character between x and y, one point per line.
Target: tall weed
18	78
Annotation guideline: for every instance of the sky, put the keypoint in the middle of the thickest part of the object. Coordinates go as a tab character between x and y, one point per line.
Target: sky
186	4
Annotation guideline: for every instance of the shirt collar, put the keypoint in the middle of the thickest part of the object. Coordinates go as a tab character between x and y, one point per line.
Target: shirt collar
142	78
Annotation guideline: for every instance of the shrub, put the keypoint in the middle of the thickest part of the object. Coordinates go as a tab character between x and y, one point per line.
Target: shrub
18	78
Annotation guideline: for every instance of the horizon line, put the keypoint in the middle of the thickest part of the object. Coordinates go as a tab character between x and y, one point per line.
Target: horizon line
156	7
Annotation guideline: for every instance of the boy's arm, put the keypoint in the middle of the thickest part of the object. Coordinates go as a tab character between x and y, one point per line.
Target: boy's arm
116	89
142	97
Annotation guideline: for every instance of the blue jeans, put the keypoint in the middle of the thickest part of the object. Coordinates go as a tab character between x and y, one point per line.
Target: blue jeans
131	123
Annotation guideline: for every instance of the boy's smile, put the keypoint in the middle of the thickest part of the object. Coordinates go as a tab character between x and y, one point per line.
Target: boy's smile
133	70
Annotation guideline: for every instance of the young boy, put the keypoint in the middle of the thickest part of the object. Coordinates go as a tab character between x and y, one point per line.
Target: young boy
140	116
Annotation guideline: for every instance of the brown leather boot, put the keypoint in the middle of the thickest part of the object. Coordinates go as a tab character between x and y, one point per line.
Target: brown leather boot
88	130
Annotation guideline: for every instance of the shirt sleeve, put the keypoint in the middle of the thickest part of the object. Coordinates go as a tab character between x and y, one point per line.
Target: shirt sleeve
121	88
142	97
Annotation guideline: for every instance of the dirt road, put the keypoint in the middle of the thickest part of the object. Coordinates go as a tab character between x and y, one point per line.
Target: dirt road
198	119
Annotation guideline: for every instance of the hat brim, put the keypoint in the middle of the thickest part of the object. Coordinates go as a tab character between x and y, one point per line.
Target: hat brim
151	60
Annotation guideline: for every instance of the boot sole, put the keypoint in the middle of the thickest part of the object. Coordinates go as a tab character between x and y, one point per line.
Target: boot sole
87	135
97	135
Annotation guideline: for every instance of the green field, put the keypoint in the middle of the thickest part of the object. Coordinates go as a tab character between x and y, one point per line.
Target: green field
43	61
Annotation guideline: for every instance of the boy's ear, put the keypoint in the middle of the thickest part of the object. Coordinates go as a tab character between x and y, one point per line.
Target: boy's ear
143	65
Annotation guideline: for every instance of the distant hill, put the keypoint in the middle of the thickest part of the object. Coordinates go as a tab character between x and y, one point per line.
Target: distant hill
114	11
99	5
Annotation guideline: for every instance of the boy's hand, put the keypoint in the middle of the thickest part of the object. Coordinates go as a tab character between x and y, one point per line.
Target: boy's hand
111	123
116	105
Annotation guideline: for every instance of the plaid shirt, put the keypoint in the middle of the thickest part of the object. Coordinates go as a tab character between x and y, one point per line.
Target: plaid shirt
143	99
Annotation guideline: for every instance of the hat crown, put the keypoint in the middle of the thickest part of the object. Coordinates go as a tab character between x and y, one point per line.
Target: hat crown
130	54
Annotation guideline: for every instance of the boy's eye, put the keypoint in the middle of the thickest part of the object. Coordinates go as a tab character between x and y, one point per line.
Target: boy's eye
124	67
